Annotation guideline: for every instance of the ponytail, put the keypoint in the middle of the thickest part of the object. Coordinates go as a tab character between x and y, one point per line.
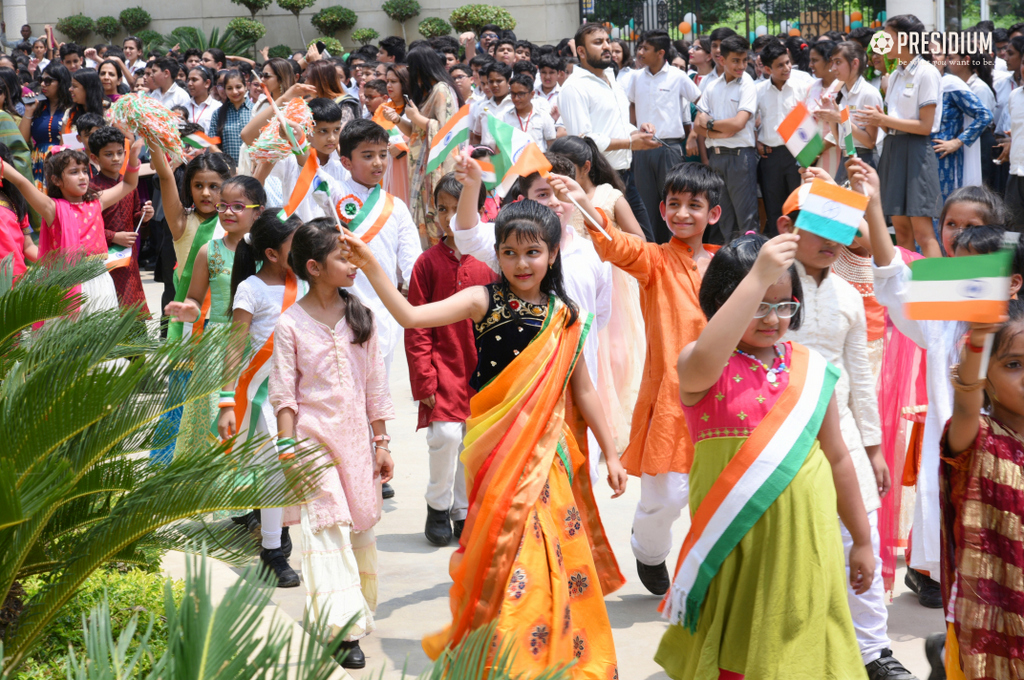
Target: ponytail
579	150
268	232
358	317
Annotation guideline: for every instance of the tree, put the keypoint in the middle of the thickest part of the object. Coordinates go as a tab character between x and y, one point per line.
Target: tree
231	43
365	36
134	19
81	404
330	20
295	7
473	17
254	5
249	30
108	27
401	11
432	27
76	27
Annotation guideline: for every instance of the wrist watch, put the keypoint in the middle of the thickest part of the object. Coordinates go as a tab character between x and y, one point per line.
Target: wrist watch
711	125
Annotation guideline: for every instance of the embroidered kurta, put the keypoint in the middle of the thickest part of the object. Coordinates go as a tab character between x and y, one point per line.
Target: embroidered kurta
957	102
441	360
122	218
336	389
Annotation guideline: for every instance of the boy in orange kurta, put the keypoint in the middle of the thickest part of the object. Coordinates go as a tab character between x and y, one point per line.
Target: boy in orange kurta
660	450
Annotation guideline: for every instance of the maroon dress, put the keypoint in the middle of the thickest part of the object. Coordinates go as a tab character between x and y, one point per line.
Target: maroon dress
123	217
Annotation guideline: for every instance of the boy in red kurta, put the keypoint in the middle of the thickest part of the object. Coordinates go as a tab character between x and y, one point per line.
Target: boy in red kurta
660	450
441	360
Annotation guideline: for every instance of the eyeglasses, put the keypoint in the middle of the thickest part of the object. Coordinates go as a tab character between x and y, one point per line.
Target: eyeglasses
784	310
520	95
234	207
46	81
487	36
463	77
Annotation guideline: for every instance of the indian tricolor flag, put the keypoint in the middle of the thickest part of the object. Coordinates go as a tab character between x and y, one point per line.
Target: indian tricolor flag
830	211
802	135
518	155
118	256
454	132
396	139
846	132
974	288
199	140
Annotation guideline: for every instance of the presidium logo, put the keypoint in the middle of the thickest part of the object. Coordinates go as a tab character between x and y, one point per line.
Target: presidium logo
932	42
881	42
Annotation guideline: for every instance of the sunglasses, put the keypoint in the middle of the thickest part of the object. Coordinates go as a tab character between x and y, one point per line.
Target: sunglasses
46	81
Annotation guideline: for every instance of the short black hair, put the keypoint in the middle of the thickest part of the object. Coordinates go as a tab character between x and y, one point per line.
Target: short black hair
481	60
89	121
324	110
658	39
761	41
494	28
453	187
694	178
772	51
729	266
395	47
982	239
527	44
504	70
551	61
734	44
1000	35
522	79
862	35
192	52
525	67
358	131
459	66
105	134
166	64
377	85
721	33
505	41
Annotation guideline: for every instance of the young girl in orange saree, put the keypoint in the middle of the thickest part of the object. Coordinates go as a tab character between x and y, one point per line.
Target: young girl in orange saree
533	555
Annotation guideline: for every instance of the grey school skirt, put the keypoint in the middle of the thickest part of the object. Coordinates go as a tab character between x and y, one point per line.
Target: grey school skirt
909	177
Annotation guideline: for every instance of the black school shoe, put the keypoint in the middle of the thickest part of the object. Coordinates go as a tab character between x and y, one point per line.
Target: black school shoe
457	526
438	529
655	578
386	492
286	543
274	561
927	589
934	647
250	522
349	655
886	667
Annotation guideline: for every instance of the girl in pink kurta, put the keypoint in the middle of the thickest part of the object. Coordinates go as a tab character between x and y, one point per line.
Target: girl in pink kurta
328	386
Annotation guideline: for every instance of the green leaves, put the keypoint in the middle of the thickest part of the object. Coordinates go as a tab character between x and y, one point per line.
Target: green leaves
473	17
330	20
76	27
108	27
432	27
247	29
254	6
134	19
364	36
401	10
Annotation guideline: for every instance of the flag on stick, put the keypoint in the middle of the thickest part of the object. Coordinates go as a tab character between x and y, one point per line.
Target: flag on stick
846	132
517	155
454	132
198	140
974	288
830	211
802	136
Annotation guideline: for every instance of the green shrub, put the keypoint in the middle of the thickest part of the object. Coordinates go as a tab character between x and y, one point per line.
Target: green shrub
76	27
254	5
247	29
108	27
330	20
295	6
333	45
151	40
401	10
473	17
433	27
280	52
365	36
134	19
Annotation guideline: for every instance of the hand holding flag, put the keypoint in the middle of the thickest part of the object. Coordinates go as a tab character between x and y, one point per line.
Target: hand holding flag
829	210
802	135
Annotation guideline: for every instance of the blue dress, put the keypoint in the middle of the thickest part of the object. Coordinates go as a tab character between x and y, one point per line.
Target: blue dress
958	101
46	132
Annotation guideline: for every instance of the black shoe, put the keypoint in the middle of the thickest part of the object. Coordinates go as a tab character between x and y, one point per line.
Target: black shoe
386	492
886	667
927	589
655	578
275	561
349	655
286	543
250	521
439	528
934	647
457	525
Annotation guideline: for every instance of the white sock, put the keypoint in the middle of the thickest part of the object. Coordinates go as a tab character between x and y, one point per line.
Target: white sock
270	520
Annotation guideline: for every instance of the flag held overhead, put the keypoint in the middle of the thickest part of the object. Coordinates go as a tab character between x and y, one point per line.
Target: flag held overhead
974	288
829	211
802	135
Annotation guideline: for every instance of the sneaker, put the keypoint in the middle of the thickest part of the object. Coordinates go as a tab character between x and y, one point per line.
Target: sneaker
439	527
250	522
886	667
934	648
286	543
386	492
457	525
928	593
655	578
274	561
349	655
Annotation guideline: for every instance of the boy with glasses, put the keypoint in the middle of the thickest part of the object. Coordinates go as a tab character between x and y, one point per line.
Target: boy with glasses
525	116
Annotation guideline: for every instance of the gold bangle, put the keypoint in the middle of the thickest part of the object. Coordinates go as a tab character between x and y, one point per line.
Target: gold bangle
959	385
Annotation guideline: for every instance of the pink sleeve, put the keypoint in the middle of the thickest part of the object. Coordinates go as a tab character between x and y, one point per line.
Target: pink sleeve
378	394
284	374
63	234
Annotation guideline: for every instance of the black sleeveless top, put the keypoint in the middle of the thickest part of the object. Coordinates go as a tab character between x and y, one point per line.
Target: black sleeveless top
510	325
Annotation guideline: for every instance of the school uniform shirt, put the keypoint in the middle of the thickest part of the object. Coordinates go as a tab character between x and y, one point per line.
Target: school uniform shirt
597	108
1015	116
478	113
862	95
538	124
285	176
802	77
912	86
774	104
1000	64
726	99
202	114
175	96
550	97
663	99
705	81
1002	86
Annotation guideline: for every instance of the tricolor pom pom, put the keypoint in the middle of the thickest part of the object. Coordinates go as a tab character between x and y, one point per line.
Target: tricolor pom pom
151	120
272	145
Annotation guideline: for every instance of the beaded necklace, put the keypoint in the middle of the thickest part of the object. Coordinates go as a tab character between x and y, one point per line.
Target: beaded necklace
772	373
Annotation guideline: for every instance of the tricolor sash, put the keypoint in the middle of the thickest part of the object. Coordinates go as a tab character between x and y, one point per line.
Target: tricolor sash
254	383
754	479
183	277
370	219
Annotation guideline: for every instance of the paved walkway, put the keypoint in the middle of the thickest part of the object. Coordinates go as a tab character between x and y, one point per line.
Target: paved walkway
414	577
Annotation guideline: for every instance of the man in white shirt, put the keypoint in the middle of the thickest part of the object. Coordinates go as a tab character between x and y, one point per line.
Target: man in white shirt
165	90
593	105
778	172
498	104
659	95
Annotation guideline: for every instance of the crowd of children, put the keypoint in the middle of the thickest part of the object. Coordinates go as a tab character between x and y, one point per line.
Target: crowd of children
629	302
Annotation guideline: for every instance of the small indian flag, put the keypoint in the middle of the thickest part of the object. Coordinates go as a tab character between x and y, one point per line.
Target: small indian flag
454	132
198	140
846	131
518	155
975	288
802	136
118	256
830	211
490	179
396	139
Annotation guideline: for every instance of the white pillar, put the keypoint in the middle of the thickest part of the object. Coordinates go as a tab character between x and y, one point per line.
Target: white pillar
15	16
984	10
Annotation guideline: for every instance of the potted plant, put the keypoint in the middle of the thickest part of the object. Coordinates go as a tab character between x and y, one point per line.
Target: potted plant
401	11
134	19
295	7
433	27
76	27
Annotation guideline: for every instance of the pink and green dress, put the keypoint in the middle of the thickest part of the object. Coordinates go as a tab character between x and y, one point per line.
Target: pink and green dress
760	585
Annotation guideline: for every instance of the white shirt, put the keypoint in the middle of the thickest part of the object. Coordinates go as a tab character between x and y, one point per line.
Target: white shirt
663	99
597	108
202	114
550	97
1015	115
1002	85
724	99
175	96
286	173
863	95
1000	64
834	324
478	113
773	105
588	280
912	86
972	154
706	81
537	124
802	77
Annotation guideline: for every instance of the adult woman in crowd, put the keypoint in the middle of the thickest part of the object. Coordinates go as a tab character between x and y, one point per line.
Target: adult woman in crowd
432	100
202	106
44	121
323	75
279	77
976	72
110	79
10	132
622	59
232	115
14	92
396	177
86	93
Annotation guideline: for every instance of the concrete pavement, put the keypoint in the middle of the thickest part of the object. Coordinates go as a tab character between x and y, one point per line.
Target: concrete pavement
414	581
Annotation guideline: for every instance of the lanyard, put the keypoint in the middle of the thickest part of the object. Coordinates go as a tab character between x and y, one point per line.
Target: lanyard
524	126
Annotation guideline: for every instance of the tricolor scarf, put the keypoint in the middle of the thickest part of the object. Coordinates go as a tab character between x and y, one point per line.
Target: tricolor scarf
183	279
366	221
754	479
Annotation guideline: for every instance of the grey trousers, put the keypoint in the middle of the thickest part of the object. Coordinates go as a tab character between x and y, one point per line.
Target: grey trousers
739	200
650	168
779	176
